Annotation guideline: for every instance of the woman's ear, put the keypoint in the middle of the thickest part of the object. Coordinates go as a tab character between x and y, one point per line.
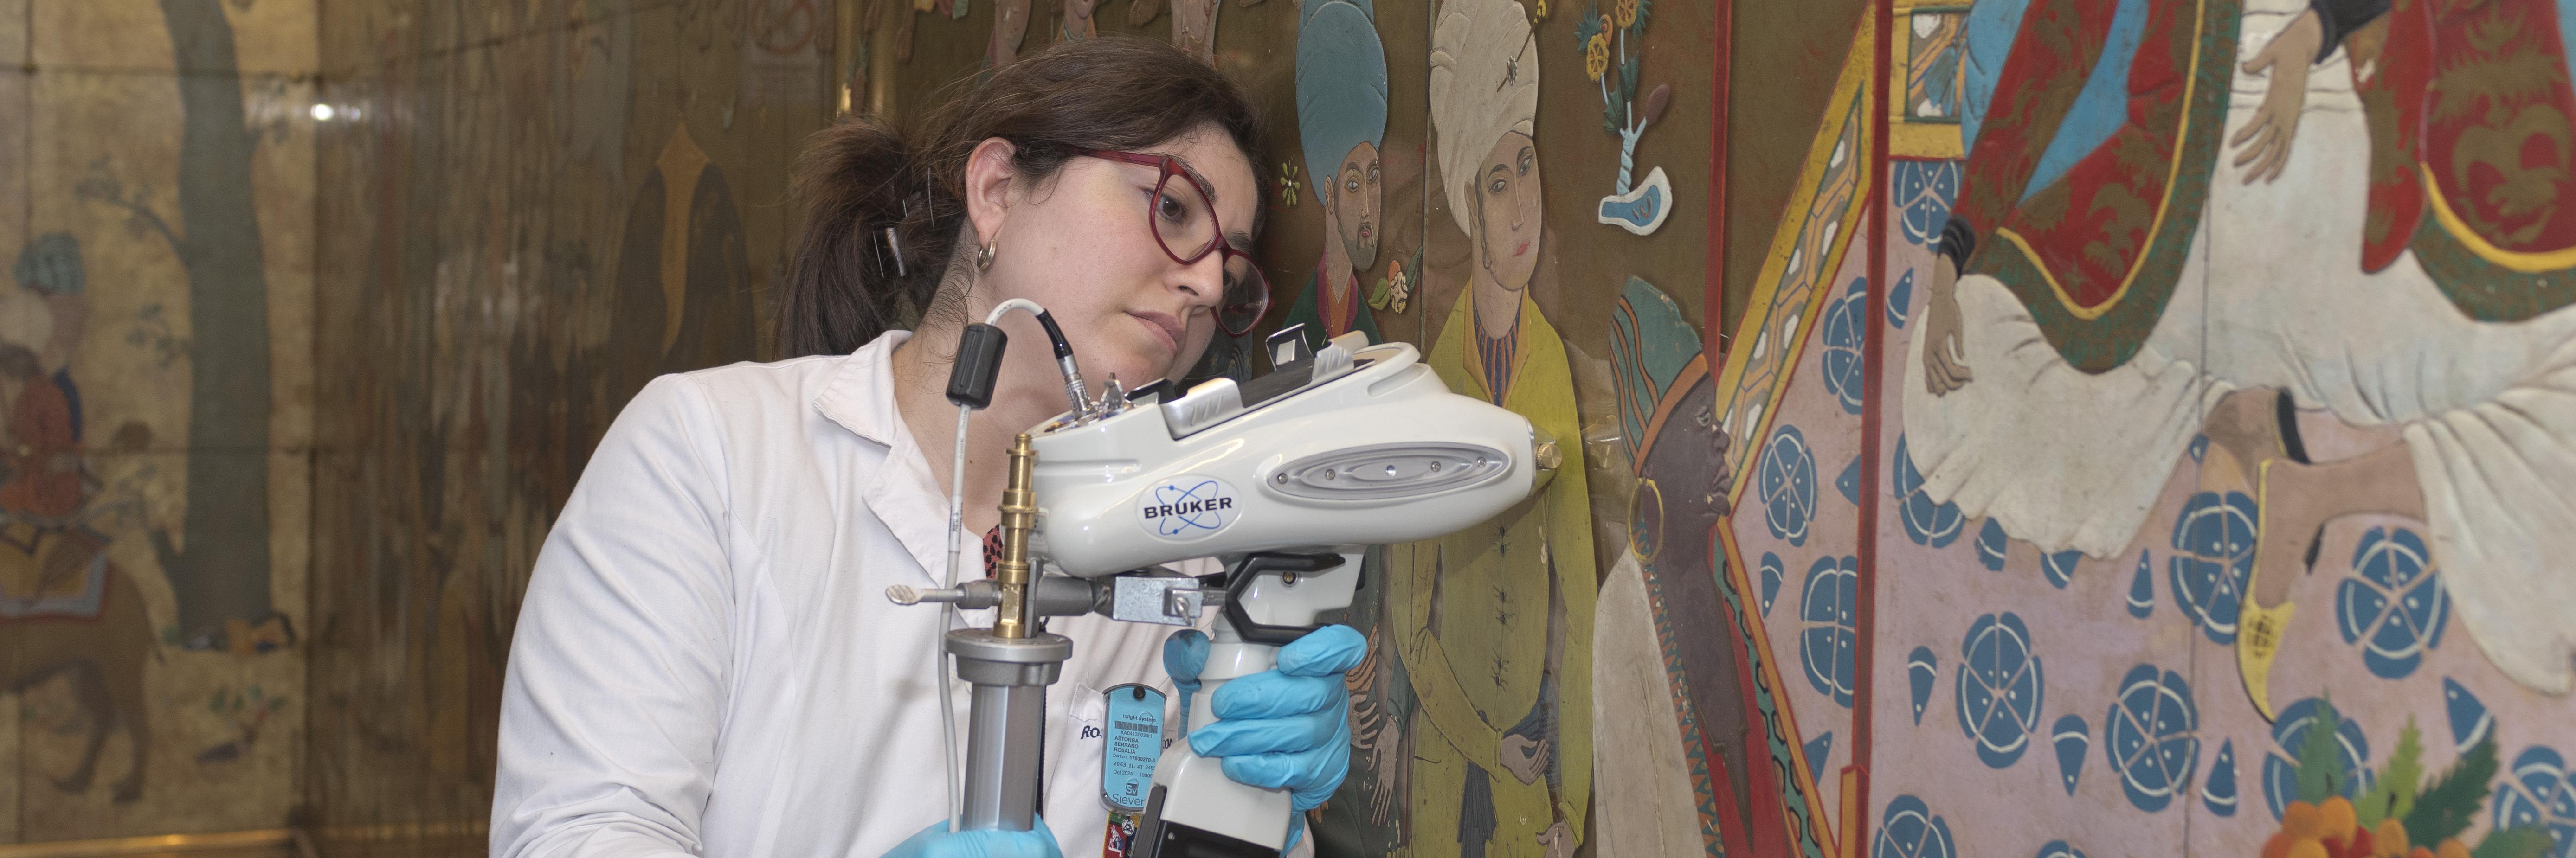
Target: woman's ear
989	177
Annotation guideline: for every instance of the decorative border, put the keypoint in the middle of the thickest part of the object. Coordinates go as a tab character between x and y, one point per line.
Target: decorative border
1803	805
1829	199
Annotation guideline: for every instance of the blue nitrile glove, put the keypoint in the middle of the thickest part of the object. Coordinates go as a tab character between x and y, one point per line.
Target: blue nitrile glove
939	842
1285	728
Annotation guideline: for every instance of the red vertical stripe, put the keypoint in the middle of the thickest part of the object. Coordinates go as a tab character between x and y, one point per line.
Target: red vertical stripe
1873	415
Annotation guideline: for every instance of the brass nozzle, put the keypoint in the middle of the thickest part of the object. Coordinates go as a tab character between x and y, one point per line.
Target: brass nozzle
1019	515
1545	457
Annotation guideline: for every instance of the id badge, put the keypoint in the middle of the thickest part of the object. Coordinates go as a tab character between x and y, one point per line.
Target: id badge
1130	746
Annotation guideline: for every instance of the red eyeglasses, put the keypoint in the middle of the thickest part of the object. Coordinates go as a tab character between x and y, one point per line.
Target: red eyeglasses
1183	219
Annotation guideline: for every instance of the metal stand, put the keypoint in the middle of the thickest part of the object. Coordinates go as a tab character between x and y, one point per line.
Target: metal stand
1007	722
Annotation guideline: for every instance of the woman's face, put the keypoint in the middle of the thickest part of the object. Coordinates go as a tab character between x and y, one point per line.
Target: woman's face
1355	205
1507	202
1081	246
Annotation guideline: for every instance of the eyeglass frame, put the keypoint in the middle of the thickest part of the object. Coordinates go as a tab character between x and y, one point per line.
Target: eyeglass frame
1170	167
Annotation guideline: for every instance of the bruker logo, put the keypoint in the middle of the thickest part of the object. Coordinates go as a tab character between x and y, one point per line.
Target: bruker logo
1187	507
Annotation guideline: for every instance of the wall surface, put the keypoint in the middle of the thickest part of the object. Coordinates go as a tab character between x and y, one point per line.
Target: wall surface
156	194
535	208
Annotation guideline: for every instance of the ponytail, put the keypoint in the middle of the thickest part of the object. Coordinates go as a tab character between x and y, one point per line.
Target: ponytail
874	240
848	284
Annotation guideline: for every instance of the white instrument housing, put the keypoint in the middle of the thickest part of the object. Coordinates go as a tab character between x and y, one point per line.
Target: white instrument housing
1372	449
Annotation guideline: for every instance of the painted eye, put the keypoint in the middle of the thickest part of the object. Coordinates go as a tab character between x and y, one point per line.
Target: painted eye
1497	187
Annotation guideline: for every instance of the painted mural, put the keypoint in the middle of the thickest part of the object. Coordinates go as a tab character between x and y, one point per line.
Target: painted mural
2168	468
155	417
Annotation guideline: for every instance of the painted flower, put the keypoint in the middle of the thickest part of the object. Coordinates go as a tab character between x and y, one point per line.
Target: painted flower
1624	12
1596	55
1827	634
2152	735
1788	485
1845	321
1911	830
2393	606
2000	688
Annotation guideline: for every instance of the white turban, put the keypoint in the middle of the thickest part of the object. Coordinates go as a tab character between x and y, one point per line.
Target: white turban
1484	84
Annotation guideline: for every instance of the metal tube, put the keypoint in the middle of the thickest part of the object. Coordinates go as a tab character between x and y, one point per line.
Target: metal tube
1019	515
1002	757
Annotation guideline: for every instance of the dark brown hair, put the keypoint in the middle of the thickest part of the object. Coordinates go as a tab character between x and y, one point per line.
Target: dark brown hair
846	285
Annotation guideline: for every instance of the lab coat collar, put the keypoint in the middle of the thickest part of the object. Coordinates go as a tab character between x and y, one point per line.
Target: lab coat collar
904	495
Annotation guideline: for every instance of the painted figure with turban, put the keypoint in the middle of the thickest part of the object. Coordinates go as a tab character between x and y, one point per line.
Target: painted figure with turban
1494	623
1341	119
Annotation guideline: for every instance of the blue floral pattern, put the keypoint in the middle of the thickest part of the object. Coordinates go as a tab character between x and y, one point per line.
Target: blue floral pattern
1925	189
2059	568
1926	523
2213	545
1922	668
2393	605
1992	545
1900	299
1773	573
2001	688
1911	830
2281	763
2539	791
1845	318
2072	739
1788	484
2152	736
2059	849
1827	626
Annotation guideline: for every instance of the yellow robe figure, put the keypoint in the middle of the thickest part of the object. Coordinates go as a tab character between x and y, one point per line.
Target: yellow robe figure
1496	633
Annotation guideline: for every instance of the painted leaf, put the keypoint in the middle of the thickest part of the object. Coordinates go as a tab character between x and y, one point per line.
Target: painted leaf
2448	805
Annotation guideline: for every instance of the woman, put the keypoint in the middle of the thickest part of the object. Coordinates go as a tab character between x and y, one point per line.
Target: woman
706	662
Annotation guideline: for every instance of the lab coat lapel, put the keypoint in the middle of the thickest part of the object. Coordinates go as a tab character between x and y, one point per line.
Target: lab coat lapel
902	493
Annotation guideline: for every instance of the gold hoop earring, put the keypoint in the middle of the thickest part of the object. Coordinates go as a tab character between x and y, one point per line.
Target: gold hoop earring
984	259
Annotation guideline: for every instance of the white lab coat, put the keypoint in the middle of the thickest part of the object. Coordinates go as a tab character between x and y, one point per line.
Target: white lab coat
706	663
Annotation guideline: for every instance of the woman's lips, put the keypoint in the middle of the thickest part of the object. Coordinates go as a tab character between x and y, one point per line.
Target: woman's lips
1521	248
1164	327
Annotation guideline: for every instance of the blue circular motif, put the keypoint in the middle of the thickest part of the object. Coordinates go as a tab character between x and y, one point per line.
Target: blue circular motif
2059	849
1911	830
2152	736
2213	554
1925	189
1827	635
2000	688
1926	523
2394	604
2281	763
1788	483
2539	792
1844	320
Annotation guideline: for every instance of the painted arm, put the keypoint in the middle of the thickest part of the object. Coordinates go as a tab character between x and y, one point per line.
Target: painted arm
1438	696
2052	54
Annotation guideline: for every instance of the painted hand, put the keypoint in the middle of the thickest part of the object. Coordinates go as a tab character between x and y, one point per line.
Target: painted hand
939	842
1287	728
2264	142
1558	840
1524	757
1945	364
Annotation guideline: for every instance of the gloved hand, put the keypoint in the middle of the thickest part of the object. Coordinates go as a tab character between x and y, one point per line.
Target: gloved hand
938	842
1286	728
